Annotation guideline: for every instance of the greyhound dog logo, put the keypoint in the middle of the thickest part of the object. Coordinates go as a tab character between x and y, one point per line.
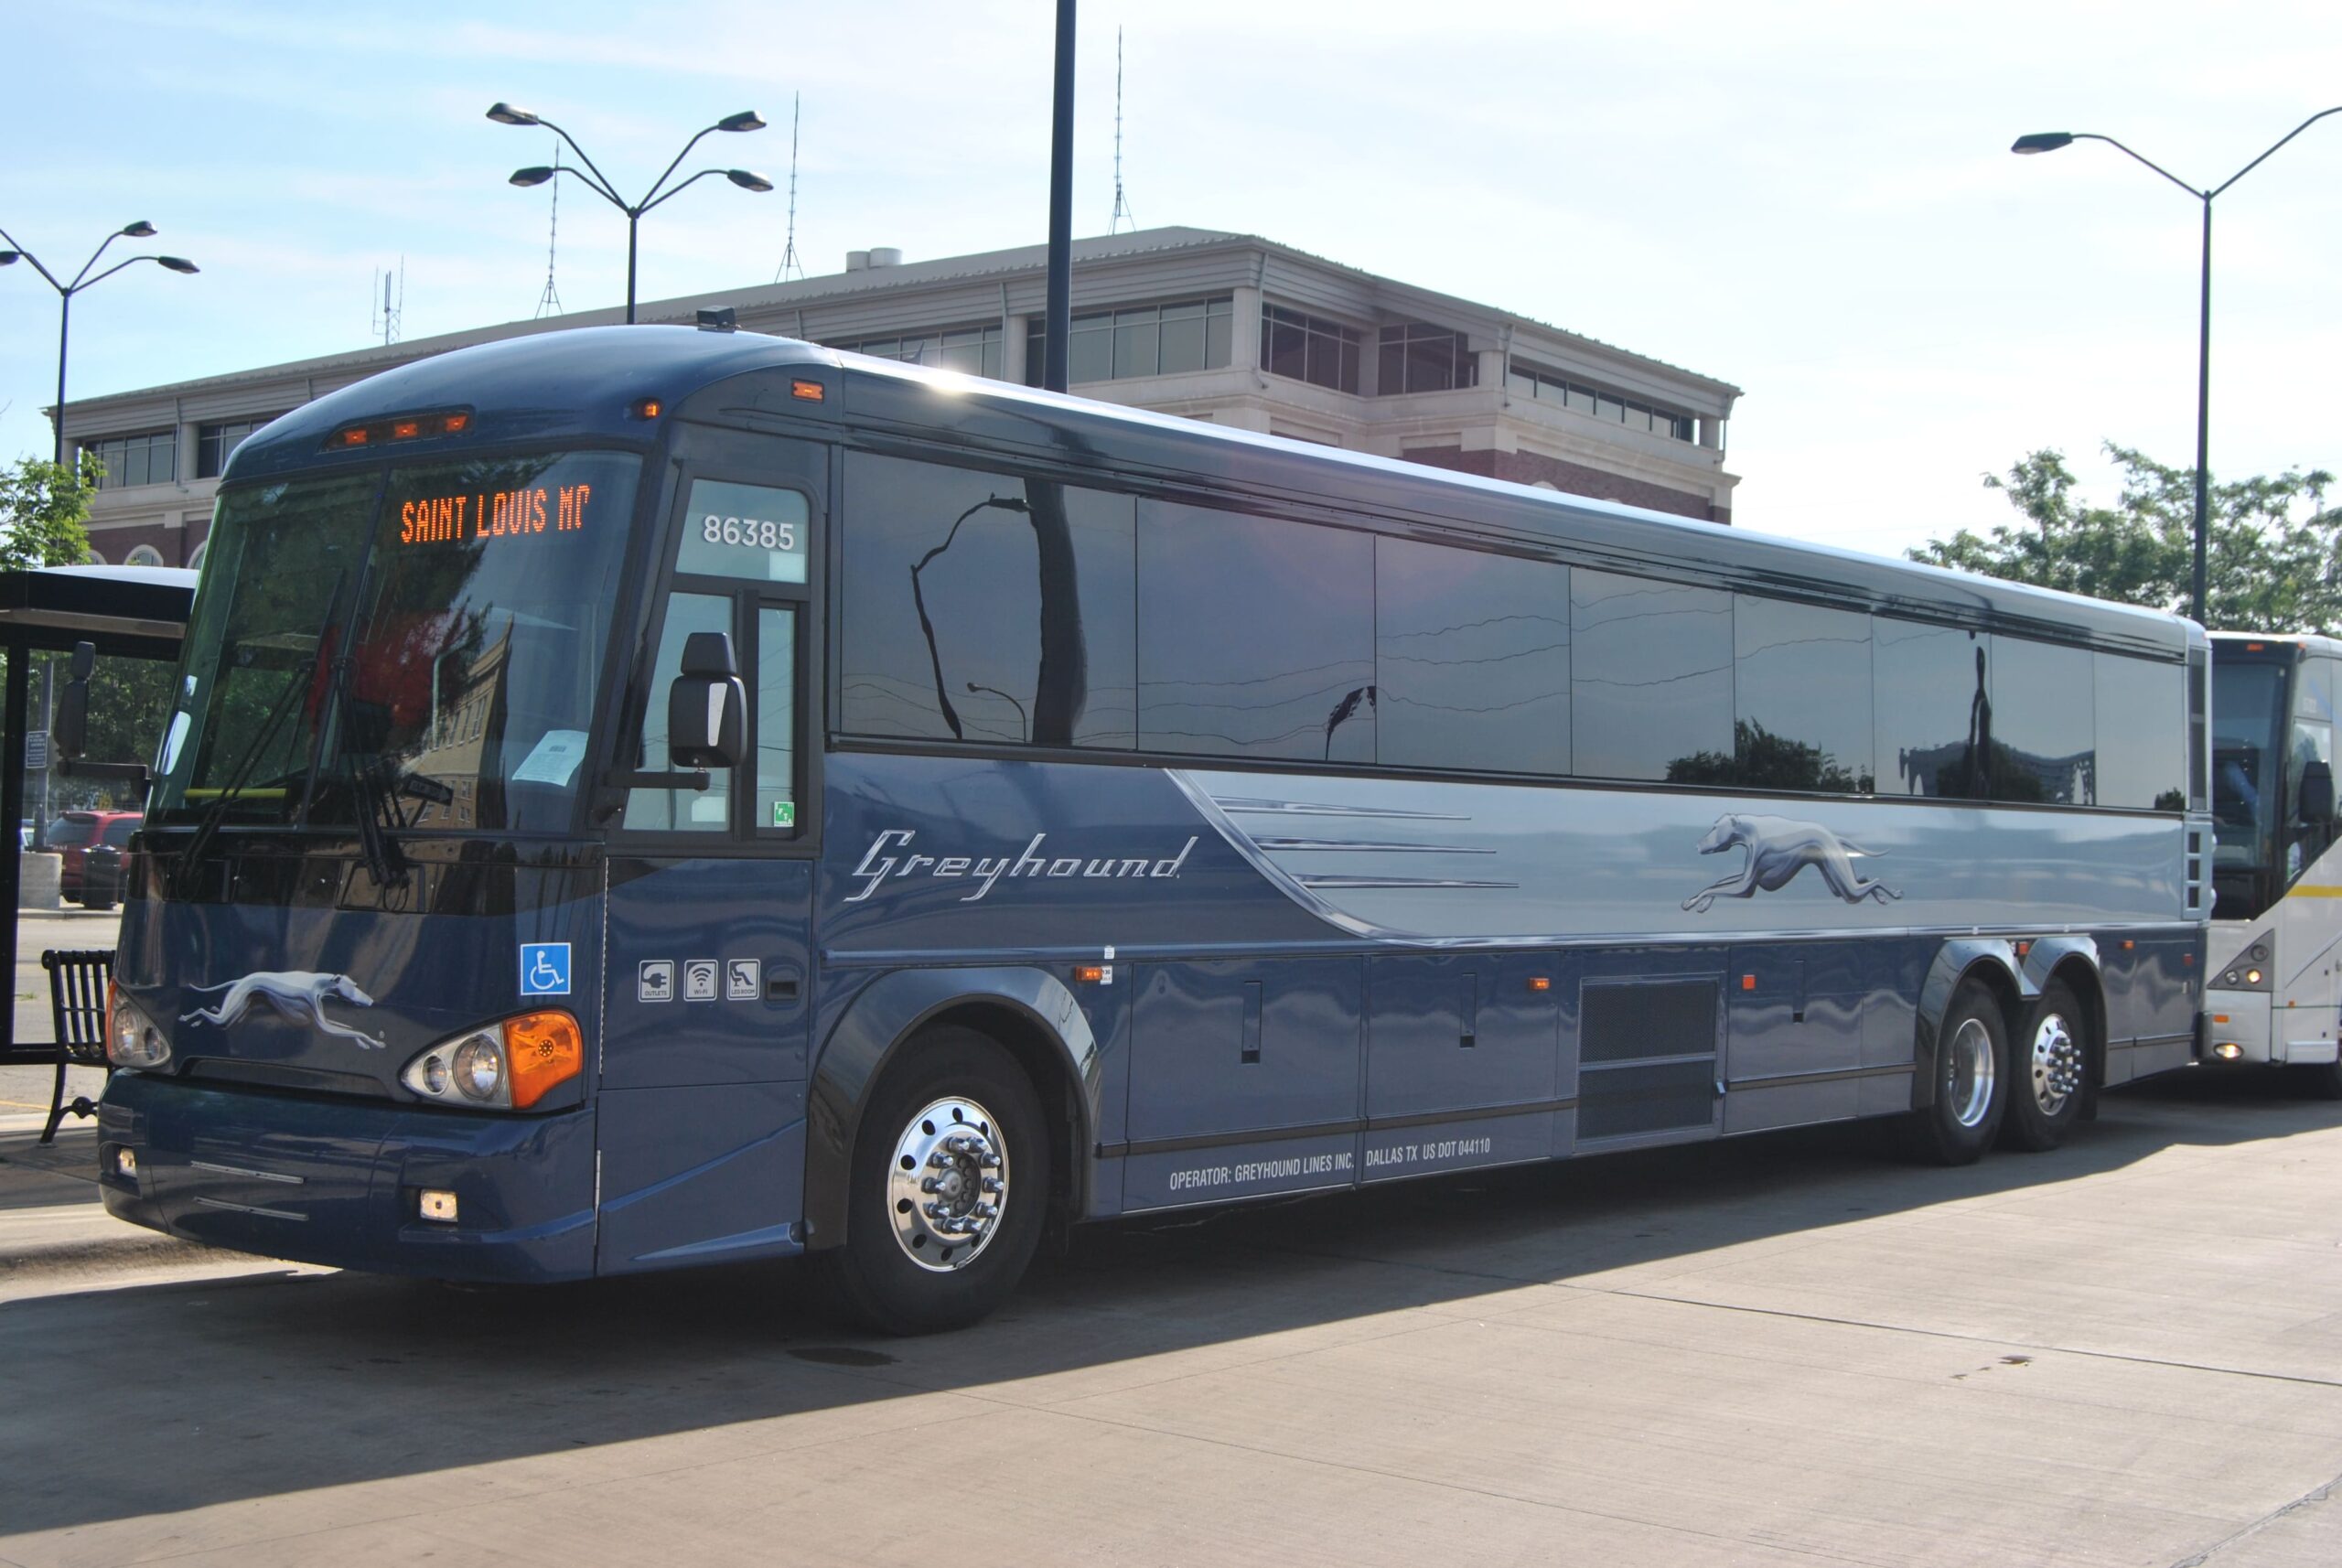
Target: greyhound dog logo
1777	850
299	994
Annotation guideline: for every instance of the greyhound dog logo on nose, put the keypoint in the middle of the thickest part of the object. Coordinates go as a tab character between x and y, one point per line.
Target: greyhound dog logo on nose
1777	850
299	994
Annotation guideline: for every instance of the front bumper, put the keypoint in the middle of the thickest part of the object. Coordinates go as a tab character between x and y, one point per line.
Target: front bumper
2262	1033
320	1180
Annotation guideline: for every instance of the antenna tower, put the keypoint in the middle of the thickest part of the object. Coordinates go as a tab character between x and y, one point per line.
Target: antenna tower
384	316
1122	213
788	257
549	301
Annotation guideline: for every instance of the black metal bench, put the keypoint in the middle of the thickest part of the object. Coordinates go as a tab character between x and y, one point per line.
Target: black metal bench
76	1003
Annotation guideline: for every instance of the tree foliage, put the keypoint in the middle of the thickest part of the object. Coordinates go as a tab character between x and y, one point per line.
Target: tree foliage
43	509
2274	554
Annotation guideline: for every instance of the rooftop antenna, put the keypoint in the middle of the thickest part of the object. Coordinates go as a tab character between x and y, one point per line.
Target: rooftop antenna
384	322
549	301
788	257
1122	213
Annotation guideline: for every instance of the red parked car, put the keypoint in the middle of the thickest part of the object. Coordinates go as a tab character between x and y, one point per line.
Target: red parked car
76	833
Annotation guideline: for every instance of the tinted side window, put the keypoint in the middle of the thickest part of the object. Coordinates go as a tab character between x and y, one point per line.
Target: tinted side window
1255	638
1933	708
1651	679
1472	658
2142	733
2044	735
1802	712
986	607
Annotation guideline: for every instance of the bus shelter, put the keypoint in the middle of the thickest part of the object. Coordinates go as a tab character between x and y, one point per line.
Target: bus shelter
125	612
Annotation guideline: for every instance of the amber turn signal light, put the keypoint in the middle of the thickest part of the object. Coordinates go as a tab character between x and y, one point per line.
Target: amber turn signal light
807	391
544	1050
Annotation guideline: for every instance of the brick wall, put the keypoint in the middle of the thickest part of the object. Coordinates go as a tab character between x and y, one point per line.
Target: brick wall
1573	479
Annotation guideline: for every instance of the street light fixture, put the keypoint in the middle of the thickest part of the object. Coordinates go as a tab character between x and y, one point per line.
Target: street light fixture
2051	141
142	230
505	113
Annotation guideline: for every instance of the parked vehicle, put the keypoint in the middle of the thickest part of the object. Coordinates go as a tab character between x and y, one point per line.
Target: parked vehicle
2275	988
642	797
74	834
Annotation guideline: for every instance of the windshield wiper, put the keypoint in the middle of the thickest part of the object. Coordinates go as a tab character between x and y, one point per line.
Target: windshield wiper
385	863
239	776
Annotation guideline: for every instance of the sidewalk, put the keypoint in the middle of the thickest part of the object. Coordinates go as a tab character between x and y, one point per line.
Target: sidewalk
55	1235
25	1089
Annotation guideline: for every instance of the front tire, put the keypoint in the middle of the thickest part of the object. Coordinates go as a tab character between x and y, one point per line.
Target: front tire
947	1189
2046	1089
1970	1081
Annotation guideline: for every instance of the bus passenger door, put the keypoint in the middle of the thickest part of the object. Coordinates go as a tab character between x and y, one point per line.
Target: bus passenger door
701	1100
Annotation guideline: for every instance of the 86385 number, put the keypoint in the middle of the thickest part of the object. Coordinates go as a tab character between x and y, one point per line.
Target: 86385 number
749	532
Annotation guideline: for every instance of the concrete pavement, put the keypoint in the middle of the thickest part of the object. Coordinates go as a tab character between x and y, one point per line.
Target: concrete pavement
1778	1351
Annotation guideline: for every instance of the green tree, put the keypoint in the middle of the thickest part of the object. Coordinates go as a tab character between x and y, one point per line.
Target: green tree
43	509
2273	557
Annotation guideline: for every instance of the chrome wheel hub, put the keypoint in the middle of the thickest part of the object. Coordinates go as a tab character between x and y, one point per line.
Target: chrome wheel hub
948	1185
2057	1064
1968	1073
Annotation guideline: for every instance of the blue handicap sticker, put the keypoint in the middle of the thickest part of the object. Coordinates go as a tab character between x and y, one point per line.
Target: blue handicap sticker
545	969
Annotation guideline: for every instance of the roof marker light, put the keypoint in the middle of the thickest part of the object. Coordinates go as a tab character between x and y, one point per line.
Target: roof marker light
646	408
808	391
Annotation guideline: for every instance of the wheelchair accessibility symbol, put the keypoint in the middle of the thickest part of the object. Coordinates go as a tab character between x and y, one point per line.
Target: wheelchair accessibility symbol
545	969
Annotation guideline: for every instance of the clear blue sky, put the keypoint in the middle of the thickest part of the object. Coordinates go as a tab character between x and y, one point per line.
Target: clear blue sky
1813	202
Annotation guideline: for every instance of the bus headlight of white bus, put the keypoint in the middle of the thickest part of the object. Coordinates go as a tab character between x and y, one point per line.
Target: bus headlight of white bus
133	1039
509	1066
2248	971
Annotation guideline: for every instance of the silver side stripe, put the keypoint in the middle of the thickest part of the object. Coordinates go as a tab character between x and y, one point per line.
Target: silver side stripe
240	1170
1362	844
251	1208
1236	804
1309	879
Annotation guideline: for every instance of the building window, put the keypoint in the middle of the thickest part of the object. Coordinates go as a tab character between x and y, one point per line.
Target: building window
1417	357
195	561
151	458
972	350
1308	349
1526	379
1138	340
142	555
214	444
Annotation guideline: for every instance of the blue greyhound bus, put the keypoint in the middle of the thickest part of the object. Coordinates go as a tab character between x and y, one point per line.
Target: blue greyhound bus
648	797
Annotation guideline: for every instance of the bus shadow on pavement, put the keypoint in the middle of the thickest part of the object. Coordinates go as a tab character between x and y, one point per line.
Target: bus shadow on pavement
166	1397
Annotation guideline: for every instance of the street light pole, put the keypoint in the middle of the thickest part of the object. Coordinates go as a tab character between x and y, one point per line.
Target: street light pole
599	184
2051	141
142	230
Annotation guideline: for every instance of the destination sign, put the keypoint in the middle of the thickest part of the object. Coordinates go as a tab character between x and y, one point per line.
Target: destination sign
495	514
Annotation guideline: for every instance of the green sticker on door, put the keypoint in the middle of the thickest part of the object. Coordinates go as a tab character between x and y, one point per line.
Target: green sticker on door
784	814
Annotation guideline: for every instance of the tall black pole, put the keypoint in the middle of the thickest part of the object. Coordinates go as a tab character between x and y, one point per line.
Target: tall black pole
12	810
1054	351
64	323
2203	416
632	218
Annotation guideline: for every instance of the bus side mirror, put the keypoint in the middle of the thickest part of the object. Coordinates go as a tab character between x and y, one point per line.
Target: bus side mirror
707	707
2317	793
70	725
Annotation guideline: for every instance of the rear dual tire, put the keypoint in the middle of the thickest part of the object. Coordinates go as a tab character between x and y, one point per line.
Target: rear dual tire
1971	1082
2051	1059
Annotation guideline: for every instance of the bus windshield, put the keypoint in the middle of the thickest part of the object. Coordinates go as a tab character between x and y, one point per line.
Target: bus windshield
425	644
2247	713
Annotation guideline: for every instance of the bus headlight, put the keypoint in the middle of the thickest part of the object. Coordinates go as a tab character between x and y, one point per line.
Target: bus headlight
133	1039
2248	970
509	1066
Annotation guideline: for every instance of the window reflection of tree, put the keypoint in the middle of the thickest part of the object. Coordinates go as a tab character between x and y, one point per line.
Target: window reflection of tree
1060	679
1763	760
